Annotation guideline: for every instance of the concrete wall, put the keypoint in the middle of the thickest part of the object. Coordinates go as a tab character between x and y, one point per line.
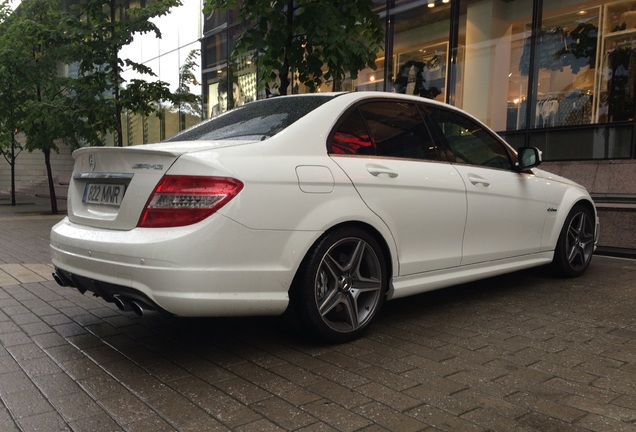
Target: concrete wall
613	186
30	175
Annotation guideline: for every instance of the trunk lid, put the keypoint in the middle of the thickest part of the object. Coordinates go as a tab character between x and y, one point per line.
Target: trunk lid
110	186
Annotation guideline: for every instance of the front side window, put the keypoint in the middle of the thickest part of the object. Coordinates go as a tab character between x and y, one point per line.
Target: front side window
469	142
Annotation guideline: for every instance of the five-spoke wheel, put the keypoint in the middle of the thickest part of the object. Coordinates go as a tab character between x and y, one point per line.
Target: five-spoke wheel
576	243
341	285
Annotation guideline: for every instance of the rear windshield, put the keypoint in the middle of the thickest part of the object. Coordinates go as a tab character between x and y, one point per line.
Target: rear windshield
257	120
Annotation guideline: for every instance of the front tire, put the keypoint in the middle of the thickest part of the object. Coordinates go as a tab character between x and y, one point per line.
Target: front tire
576	243
340	286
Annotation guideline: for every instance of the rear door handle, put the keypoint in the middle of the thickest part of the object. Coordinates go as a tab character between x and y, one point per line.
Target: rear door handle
377	170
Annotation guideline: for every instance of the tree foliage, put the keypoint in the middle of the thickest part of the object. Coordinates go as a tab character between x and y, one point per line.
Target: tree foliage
319	40
40	44
105	28
37	100
9	95
185	101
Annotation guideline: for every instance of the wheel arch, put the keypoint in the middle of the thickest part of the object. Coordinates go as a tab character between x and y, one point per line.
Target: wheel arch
576	245
304	313
589	204
569	201
389	257
377	235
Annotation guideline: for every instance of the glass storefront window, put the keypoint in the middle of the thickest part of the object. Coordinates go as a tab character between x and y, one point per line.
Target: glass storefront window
490	84
379	5
573	82
428	3
584	65
215	50
617	83
369	79
566	64
420	51
229	85
582	71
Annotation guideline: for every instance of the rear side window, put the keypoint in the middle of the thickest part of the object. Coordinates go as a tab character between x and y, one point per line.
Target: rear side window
257	120
385	128
352	137
468	141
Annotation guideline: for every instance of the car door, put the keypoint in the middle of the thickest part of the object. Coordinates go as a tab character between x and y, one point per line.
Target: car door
387	151
506	208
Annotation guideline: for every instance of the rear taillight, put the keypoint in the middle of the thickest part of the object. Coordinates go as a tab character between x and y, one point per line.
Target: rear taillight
185	200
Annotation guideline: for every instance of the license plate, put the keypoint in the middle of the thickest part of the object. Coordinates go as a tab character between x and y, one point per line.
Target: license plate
104	194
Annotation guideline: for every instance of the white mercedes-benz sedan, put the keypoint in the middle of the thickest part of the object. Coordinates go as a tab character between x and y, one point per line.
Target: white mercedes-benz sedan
320	206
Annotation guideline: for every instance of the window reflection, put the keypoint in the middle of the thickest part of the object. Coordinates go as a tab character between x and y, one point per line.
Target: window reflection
420	50
566	64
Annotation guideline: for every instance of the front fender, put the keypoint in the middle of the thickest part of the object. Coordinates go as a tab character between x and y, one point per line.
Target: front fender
561	198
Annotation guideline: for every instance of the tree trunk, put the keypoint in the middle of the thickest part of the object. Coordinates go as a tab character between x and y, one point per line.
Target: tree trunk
118	126
284	73
114	64
12	164
49	175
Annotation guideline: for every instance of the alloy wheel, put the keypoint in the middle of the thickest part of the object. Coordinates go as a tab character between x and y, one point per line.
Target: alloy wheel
579	244
348	285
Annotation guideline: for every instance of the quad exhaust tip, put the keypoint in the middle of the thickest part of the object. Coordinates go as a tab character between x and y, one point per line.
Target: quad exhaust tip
126	304
137	308
61	280
123	303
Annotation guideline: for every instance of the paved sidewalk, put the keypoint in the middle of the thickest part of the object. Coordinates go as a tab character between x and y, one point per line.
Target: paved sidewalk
522	352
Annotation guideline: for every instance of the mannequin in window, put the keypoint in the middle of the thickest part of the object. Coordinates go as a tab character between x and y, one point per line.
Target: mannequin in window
410	80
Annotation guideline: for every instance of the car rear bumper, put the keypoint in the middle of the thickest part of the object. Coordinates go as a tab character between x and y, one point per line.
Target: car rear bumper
215	268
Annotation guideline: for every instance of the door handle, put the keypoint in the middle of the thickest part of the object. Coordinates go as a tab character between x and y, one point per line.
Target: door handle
376	170
474	179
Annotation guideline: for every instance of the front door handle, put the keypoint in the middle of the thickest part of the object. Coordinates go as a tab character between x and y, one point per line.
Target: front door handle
475	179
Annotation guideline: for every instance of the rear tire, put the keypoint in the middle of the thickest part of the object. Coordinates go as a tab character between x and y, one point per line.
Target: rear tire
340	286
576	243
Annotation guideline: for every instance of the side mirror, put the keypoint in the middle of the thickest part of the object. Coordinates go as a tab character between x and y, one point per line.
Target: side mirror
528	157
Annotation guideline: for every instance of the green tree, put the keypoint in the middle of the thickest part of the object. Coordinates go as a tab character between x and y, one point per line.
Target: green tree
40	44
187	102
40	101
320	40
9	97
104	28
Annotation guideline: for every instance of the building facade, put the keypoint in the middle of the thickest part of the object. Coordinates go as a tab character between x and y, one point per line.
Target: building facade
559	75
555	74
181	32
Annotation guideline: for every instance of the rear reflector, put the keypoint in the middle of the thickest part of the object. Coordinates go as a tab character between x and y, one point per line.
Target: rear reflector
185	200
